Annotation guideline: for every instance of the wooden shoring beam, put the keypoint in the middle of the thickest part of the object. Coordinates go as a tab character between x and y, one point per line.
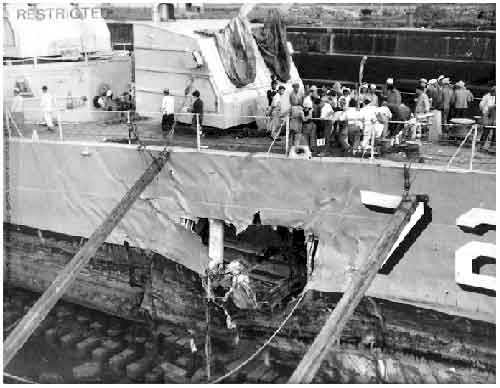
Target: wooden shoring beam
65	279
354	292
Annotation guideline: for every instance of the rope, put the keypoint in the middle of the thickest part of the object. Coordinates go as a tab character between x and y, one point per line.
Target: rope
256	353
459	147
19	379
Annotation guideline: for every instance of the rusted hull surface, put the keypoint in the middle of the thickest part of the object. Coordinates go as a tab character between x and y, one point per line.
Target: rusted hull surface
140	286
53	186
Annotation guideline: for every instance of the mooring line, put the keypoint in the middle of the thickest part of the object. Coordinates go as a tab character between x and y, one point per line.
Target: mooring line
231	372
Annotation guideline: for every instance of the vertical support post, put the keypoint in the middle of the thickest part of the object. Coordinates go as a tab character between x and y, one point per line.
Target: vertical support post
198	135
86	57
287	133
59	125
332	43
473	148
207	319
35	62
372	145
128	117
215	242
7	121
310	251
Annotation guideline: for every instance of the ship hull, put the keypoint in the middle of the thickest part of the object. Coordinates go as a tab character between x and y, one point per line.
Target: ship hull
419	345
70	187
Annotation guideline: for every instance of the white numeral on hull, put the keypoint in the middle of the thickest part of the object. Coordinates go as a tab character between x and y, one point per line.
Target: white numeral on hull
466	254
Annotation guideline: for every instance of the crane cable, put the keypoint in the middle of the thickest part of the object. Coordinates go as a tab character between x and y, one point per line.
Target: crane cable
256	353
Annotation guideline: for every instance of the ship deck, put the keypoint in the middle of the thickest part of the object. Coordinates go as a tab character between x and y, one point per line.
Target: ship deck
248	140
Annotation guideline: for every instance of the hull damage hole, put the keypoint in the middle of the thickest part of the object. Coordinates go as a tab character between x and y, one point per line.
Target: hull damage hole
264	267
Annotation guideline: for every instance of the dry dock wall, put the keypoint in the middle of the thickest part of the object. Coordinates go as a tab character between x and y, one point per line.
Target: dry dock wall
70	187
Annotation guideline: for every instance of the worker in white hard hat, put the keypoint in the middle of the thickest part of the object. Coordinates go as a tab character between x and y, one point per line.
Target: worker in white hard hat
369	117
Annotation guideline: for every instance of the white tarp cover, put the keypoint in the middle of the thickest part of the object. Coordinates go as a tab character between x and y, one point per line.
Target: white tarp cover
50	36
53	186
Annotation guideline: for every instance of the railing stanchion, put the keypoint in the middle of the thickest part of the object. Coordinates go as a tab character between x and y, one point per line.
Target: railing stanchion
198	135
7	121
35	62
473	150
372	145
287	133
59	125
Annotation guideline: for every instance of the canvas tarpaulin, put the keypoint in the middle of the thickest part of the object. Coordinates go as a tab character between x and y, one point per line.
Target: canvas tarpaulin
236	50
273	46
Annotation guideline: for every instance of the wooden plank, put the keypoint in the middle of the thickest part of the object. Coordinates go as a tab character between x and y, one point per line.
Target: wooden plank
64	280
361	280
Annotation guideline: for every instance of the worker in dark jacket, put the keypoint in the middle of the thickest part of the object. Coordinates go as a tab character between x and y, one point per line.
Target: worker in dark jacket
197	108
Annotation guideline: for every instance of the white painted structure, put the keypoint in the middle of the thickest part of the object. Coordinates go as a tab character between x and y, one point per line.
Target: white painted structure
54	33
72	57
165	57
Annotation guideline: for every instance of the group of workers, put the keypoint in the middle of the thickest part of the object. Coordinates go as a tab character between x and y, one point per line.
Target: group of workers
447	101
105	101
318	116
354	119
167	110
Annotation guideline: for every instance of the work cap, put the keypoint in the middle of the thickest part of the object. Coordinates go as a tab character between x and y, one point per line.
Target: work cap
422	80
446	81
314	87
373	86
367	99
389	81
344	89
166	91
295	85
109	93
16	90
432	81
461	84
364	86
440	77
196	93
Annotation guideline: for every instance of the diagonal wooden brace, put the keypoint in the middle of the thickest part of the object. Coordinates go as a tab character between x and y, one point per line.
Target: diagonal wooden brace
355	290
63	281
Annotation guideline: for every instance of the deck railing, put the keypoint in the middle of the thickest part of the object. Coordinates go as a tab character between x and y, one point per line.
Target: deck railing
145	127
